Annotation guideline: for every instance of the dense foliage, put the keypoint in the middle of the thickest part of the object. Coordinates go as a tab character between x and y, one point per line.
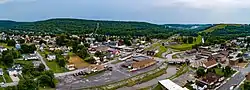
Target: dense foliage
80	26
222	32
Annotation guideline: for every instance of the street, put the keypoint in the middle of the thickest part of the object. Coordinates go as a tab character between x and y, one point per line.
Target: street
42	60
237	79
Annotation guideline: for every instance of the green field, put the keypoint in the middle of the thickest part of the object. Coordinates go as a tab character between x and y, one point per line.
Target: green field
161	49
219	26
55	67
187	46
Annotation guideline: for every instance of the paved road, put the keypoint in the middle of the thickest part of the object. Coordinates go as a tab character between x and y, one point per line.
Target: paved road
41	58
233	81
10	84
237	79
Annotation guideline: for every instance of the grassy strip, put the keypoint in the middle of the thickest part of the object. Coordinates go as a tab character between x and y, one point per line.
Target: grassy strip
1	79
7	77
162	49
115	62
130	81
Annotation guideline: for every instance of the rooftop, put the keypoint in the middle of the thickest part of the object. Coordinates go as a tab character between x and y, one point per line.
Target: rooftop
168	84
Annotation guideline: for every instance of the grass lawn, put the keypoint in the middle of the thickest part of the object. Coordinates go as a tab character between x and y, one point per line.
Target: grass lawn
55	67
5	45
23	62
1	79
219	72
153	46
7	77
162	49
187	46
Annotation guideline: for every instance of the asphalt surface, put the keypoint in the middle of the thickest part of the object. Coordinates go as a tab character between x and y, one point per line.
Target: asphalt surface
237	79
118	73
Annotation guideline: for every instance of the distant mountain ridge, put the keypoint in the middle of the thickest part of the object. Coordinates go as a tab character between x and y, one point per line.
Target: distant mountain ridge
82	26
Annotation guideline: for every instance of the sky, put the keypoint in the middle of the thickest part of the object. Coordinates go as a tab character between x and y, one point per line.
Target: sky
153	11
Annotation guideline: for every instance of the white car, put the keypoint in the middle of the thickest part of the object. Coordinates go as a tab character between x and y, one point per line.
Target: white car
231	88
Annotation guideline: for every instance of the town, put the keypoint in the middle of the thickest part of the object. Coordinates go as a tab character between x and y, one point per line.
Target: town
70	62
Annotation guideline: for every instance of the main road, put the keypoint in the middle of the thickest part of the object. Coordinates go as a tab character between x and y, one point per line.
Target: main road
236	79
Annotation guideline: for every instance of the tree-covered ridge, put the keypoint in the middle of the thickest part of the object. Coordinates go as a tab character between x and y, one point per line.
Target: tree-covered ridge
221	32
81	26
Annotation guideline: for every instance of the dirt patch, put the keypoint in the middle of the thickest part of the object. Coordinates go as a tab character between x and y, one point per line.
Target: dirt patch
242	65
79	62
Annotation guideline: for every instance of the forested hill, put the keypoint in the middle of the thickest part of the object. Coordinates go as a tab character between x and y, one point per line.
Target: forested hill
81	26
221	32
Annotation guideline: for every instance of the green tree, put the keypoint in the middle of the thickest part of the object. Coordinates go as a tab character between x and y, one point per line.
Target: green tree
200	72
61	40
28	48
190	40
11	43
41	68
44	80
246	85
8	59
61	62
27	84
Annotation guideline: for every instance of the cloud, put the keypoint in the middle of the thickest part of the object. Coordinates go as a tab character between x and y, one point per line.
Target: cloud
205	4
7	1
3	1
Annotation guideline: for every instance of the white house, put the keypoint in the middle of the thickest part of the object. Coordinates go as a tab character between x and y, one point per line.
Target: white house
1	71
51	57
70	66
36	63
31	57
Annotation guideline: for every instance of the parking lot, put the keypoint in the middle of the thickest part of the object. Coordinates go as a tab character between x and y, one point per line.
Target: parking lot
118	73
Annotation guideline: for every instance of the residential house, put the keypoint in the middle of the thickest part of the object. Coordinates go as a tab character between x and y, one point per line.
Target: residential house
234	61
36	64
15	70
211	80
1	71
51	57
31	57
70	66
248	76
3	49
210	64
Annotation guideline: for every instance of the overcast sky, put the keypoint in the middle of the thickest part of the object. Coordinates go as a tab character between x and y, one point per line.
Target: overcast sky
154	11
